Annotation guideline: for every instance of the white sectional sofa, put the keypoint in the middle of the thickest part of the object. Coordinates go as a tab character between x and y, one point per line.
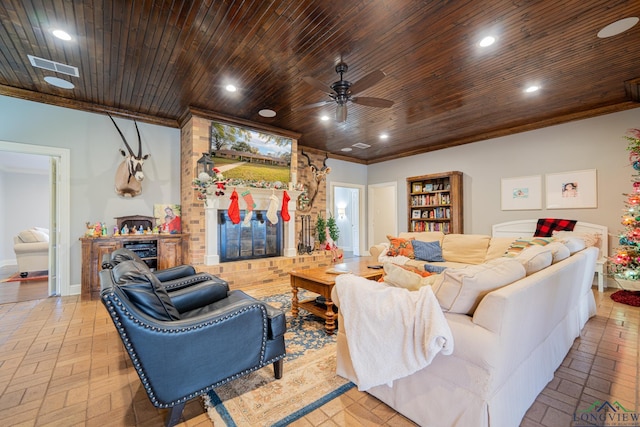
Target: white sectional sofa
505	350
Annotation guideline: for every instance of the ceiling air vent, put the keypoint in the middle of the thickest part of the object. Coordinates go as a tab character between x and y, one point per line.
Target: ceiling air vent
361	145
53	66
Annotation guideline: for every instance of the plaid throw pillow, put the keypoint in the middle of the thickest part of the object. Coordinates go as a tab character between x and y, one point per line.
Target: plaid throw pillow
546	226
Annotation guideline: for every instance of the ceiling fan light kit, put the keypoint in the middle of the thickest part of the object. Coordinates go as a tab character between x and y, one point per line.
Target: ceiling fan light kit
343	91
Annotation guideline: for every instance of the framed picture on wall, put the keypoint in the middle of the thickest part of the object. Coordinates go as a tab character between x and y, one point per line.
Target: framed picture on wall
572	190
521	193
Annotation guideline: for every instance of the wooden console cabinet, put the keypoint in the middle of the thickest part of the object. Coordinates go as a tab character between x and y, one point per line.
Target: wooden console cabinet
166	250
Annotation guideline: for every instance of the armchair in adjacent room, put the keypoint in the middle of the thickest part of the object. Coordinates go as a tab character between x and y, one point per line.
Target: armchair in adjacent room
32	250
187	341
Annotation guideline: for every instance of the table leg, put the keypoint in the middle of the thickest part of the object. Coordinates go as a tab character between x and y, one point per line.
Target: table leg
329	323
294	301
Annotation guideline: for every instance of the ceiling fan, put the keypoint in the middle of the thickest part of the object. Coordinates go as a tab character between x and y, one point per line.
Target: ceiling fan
344	91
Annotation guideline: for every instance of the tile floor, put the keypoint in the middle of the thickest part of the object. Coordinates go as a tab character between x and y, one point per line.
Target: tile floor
62	364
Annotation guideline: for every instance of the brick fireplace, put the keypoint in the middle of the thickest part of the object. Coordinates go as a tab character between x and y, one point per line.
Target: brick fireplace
203	237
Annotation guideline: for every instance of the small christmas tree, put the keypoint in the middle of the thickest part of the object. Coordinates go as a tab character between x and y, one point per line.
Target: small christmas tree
334	231
625	264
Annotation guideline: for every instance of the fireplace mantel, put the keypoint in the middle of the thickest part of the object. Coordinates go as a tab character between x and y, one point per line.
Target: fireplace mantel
261	197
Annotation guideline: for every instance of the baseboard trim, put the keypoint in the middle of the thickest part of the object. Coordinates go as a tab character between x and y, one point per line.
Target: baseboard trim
8	262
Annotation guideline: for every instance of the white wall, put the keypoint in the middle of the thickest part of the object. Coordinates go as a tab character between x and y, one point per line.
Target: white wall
25	203
94	143
595	143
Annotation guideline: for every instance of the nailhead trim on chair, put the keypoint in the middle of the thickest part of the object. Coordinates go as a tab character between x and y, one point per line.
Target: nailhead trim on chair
191	279
138	366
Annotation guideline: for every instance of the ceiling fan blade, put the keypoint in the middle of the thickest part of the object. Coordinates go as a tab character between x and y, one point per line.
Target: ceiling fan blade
317	84
314	105
367	81
341	113
372	102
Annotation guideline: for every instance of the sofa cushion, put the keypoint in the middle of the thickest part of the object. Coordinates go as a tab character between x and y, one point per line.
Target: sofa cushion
546	226
518	245
434	268
460	290
535	258
33	236
498	247
400	246
465	248
144	290
427	251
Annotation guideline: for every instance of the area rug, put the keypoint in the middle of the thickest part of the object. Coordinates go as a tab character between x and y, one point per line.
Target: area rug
309	380
627	297
33	275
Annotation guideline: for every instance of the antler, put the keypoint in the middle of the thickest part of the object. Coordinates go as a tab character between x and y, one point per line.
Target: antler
139	140
123	138
308	159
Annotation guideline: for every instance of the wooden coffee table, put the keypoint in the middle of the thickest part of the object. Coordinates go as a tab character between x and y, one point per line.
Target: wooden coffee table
321	282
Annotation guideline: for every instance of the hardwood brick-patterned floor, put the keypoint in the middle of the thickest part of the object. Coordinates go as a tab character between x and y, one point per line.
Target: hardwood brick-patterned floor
62	364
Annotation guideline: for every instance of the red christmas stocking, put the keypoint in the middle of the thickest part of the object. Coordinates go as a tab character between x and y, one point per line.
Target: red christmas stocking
234	208
248	198
284	212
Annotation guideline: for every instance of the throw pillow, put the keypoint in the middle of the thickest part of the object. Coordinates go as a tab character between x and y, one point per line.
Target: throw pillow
460	290
558	251
574	244
427	251
590	239
401	277
465	248
519	245
436	269
400	246
546	226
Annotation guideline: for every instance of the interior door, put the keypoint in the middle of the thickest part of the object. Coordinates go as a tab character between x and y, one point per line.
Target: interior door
383	212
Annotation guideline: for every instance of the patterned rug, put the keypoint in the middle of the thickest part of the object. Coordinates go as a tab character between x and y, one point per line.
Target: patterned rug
309	380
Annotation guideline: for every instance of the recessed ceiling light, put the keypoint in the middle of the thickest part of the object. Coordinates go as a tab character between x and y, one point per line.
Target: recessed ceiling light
324	118
267	113
487	41
532	88
55	81
384	136
62	35
346	149
230	88
617	27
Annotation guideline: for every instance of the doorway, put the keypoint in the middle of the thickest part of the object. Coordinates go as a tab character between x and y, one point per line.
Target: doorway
59	222
347	207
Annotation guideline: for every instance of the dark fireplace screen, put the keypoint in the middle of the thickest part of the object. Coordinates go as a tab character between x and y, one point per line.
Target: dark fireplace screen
257	239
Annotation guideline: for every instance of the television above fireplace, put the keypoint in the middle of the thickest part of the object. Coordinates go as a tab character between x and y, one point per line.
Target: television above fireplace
246	155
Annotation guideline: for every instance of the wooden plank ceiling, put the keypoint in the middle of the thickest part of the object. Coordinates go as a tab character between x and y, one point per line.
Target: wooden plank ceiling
152	60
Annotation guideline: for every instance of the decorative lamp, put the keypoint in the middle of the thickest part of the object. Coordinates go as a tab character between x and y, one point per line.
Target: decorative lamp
205	164
341	213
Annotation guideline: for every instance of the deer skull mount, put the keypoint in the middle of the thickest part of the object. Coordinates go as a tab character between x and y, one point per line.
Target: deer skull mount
130	167
318	175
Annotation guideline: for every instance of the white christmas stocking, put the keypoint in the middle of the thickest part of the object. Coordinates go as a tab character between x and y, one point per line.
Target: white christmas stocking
272	211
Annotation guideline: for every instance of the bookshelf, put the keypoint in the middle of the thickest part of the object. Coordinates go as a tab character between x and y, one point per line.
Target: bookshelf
435	202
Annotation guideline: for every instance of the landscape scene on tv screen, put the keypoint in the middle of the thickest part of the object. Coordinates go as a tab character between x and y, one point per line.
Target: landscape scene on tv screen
248	155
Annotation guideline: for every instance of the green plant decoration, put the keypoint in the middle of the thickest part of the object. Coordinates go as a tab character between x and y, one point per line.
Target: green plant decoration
321	226
334	231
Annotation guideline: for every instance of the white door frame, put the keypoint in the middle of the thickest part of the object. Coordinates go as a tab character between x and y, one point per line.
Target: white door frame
63	158
361	216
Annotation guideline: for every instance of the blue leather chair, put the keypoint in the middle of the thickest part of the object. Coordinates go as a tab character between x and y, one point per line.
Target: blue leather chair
172	278
187	341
